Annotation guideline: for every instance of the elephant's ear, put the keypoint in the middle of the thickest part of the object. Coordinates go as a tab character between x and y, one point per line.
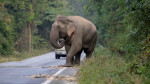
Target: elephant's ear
70	29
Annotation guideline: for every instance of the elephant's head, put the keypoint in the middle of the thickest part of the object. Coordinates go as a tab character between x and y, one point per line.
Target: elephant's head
62	28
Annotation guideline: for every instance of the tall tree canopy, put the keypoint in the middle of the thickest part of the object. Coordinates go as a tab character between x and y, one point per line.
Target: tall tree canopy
25	24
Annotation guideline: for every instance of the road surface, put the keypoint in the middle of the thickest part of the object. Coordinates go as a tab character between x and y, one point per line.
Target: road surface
38	70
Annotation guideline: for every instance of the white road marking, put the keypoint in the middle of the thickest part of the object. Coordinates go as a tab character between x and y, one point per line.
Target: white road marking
82	57
49	80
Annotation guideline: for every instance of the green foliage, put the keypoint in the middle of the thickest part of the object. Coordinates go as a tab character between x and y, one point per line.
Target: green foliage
6	31
137	20
17	15
108	68
123	27
38	42
6	38
57	8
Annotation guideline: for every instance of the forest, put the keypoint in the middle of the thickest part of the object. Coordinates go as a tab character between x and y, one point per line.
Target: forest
123	29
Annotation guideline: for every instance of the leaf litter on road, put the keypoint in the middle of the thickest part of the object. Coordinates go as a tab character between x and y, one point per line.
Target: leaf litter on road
59	77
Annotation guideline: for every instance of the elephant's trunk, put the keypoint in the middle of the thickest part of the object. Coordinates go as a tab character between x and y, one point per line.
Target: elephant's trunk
54	37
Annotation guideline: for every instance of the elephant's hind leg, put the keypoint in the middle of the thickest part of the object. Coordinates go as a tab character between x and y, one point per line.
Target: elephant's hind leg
90	50
88	54
77	58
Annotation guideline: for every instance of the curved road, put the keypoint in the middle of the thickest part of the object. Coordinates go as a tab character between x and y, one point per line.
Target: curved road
33	70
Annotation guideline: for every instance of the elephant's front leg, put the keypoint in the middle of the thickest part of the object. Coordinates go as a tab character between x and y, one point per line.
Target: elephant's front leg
72	52
67	48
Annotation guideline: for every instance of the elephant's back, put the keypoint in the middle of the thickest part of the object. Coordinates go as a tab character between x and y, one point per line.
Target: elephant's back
79	19
86	24
82	22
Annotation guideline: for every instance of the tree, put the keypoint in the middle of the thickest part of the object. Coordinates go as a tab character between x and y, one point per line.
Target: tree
31	18
6	30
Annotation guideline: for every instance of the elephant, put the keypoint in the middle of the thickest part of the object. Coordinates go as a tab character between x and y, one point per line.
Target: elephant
78	34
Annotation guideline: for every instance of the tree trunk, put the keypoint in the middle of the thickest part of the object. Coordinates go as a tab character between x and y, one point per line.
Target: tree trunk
29	47
22	42
2	4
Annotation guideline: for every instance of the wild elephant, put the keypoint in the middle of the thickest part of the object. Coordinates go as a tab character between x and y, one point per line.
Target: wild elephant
78	34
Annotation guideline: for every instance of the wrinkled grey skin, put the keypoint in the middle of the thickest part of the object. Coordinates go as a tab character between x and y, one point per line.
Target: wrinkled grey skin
78	34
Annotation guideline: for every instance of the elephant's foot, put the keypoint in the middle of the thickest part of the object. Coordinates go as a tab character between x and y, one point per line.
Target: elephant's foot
67	65
77	63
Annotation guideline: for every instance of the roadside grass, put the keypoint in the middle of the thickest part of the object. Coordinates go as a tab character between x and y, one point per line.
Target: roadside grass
18	56
107	68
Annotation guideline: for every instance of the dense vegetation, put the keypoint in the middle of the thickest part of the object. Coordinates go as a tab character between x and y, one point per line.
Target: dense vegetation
25	24
108	68
123	28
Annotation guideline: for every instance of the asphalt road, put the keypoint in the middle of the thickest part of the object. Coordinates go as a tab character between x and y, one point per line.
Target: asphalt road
38	70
